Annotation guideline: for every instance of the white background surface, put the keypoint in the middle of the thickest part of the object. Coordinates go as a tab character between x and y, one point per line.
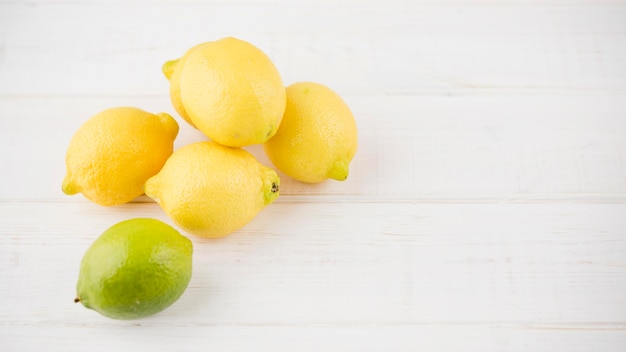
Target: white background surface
485	209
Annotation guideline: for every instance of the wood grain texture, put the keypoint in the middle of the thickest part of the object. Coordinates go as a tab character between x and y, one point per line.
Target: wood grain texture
485	208
315	338
389	47
401	263
402	271
433	148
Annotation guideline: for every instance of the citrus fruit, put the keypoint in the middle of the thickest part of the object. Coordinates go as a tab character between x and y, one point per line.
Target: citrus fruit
210	190
112	154
134	269
230	90
172	69
317	138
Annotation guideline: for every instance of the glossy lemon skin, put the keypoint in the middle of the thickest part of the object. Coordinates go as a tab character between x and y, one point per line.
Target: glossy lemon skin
172	69
110	156
231	91
318	136
210	190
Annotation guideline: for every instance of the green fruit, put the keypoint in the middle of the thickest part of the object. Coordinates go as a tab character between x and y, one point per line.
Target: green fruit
136	268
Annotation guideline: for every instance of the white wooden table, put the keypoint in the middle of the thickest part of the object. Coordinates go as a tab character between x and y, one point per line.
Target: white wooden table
485	209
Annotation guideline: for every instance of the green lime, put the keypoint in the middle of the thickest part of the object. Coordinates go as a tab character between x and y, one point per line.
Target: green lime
136	268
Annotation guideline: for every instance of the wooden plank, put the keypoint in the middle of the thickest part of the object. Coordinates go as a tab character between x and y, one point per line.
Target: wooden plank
429	148
337	263
132	336
378	47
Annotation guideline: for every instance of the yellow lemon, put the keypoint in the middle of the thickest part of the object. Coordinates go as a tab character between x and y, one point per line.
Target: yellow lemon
231	91
172	69
317	138
112	154
210	190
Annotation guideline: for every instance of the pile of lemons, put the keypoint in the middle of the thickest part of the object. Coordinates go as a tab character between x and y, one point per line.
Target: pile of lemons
230	91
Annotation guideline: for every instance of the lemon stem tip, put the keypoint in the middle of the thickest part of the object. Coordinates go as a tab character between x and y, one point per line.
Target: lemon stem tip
271	185
69	187
169	67
339	171
169	122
